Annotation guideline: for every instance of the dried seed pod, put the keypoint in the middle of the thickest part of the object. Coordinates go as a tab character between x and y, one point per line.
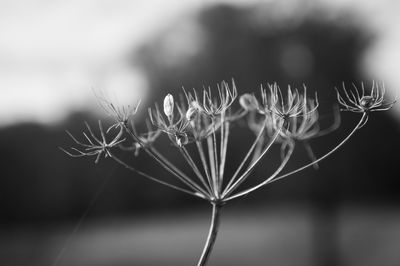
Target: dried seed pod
367	101
360	101
169	105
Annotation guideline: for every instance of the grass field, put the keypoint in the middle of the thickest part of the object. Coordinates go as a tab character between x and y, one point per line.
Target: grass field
262	236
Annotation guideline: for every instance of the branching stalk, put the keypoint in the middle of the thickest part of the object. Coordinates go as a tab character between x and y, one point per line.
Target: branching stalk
246	157
277	171
166	164
194	167
360	123
197	194
205	166
293	118
251	168
178	173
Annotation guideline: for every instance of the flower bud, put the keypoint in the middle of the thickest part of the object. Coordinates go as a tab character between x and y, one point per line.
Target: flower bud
168	105
191	113
248	102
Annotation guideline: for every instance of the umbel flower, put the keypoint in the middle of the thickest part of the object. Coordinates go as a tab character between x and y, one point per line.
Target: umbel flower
121	114
361	101
293	105
214	106
95	146
278	117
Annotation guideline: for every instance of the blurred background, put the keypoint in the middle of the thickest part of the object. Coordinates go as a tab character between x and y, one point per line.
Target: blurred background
57	210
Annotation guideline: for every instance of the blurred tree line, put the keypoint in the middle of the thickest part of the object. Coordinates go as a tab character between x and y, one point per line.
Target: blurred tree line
40	183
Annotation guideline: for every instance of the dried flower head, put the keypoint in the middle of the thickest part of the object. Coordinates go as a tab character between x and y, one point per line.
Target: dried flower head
120	113
359	101
214	106
306	125
204	116
95	146
294	104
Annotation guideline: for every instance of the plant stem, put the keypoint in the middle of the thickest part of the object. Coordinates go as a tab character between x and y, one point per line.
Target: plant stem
212	234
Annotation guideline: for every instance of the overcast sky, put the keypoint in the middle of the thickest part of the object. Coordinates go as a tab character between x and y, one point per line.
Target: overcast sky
53	52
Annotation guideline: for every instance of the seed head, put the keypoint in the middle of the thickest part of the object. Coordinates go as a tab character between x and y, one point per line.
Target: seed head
169	105
216	105
95	146
367	102
121	114
294	104
360	101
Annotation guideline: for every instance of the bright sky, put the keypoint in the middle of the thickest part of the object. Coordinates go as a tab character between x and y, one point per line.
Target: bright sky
53	52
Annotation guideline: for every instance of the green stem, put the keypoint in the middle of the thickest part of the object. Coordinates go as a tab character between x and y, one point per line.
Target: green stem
212	234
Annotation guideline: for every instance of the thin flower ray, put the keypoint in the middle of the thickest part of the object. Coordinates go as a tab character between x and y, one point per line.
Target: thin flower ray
331	151
248	171
268	180
194	193
249	152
